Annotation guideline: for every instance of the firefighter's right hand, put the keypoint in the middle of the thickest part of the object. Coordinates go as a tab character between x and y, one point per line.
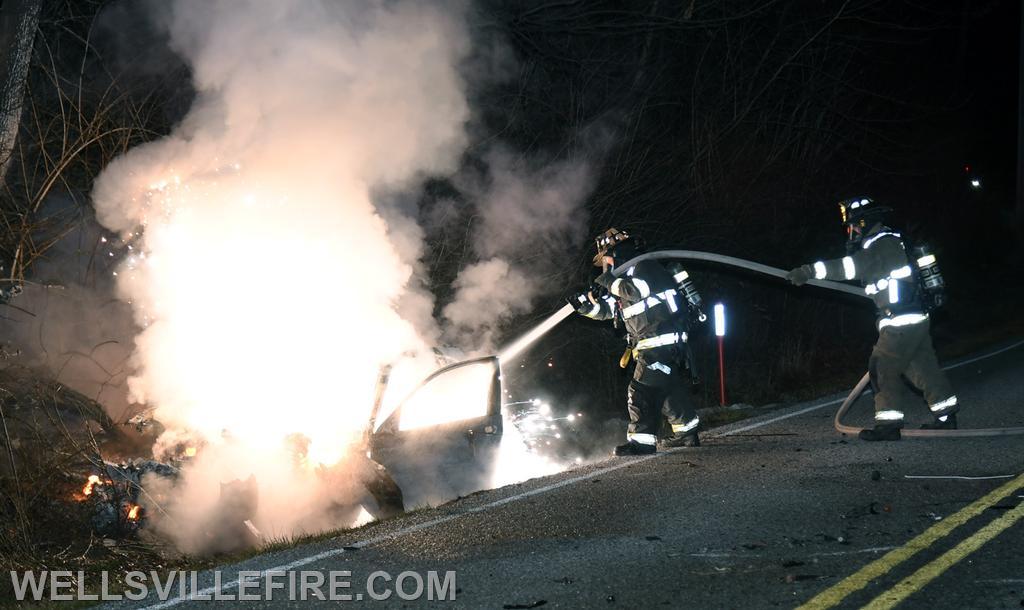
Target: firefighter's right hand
598	292
799	276
580	302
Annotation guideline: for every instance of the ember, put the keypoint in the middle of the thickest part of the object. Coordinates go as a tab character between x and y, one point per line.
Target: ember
92	482
116	509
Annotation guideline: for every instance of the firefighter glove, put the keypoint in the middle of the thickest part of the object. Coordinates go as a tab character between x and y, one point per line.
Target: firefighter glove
580	302
800	275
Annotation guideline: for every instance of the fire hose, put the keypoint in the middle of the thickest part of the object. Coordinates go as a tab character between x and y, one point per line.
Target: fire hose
863	384
731	261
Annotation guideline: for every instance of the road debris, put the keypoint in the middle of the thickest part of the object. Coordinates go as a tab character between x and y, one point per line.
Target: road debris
116	493
791	578
536	604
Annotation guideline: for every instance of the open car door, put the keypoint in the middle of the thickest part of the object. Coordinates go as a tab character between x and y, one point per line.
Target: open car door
442	439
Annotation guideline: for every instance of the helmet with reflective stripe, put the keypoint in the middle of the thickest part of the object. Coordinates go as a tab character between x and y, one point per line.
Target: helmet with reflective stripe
858	209
616	244
859	214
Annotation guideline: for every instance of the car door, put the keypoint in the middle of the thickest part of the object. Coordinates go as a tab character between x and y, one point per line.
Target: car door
442	439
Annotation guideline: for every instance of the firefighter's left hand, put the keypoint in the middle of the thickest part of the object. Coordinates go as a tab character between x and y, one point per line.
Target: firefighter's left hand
799	276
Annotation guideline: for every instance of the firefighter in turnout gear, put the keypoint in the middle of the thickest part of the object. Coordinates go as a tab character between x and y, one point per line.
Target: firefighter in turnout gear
900	284
655	303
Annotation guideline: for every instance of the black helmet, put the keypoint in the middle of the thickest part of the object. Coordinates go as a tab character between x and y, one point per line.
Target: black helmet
861	212
615	243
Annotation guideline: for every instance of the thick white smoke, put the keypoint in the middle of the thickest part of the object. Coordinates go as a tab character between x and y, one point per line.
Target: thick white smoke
530	216
266	281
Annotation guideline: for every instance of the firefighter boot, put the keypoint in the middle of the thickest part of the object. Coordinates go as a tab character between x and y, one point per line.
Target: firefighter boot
689	439
634	448
944	422
881	432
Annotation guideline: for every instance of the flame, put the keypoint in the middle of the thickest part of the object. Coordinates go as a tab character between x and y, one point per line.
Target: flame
456	395
516	462
190	452
199	287
93	481
363	518
133	512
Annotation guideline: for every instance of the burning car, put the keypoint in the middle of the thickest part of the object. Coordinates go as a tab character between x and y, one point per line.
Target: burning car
443	439
435	442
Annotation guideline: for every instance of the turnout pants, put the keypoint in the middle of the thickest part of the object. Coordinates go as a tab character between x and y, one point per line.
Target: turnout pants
659	389
902	355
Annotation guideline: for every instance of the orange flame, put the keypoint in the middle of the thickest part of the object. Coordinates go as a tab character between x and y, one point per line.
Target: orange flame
92	482
190	452
133	512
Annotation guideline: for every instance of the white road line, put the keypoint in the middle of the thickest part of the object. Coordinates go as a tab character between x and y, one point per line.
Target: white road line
779	418
982	357
874	549
514	498
411	529
957	477
1003	581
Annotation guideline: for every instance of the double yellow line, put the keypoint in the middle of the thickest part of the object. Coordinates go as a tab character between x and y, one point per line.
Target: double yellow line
834	595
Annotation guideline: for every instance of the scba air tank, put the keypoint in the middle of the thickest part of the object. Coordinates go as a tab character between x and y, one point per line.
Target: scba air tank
932	283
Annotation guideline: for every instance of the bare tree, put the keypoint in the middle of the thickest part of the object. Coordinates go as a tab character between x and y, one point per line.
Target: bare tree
19	20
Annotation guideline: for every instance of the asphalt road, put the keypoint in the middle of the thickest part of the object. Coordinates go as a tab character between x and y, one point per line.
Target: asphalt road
771	512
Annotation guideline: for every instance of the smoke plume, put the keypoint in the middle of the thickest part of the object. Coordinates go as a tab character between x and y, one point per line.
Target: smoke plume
530	217
267	282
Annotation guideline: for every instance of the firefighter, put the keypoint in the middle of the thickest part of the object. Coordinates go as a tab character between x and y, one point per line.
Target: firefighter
655	303
878	257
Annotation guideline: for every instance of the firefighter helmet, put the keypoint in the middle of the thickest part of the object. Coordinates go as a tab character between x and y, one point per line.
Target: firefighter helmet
859	209
614	243
859	214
